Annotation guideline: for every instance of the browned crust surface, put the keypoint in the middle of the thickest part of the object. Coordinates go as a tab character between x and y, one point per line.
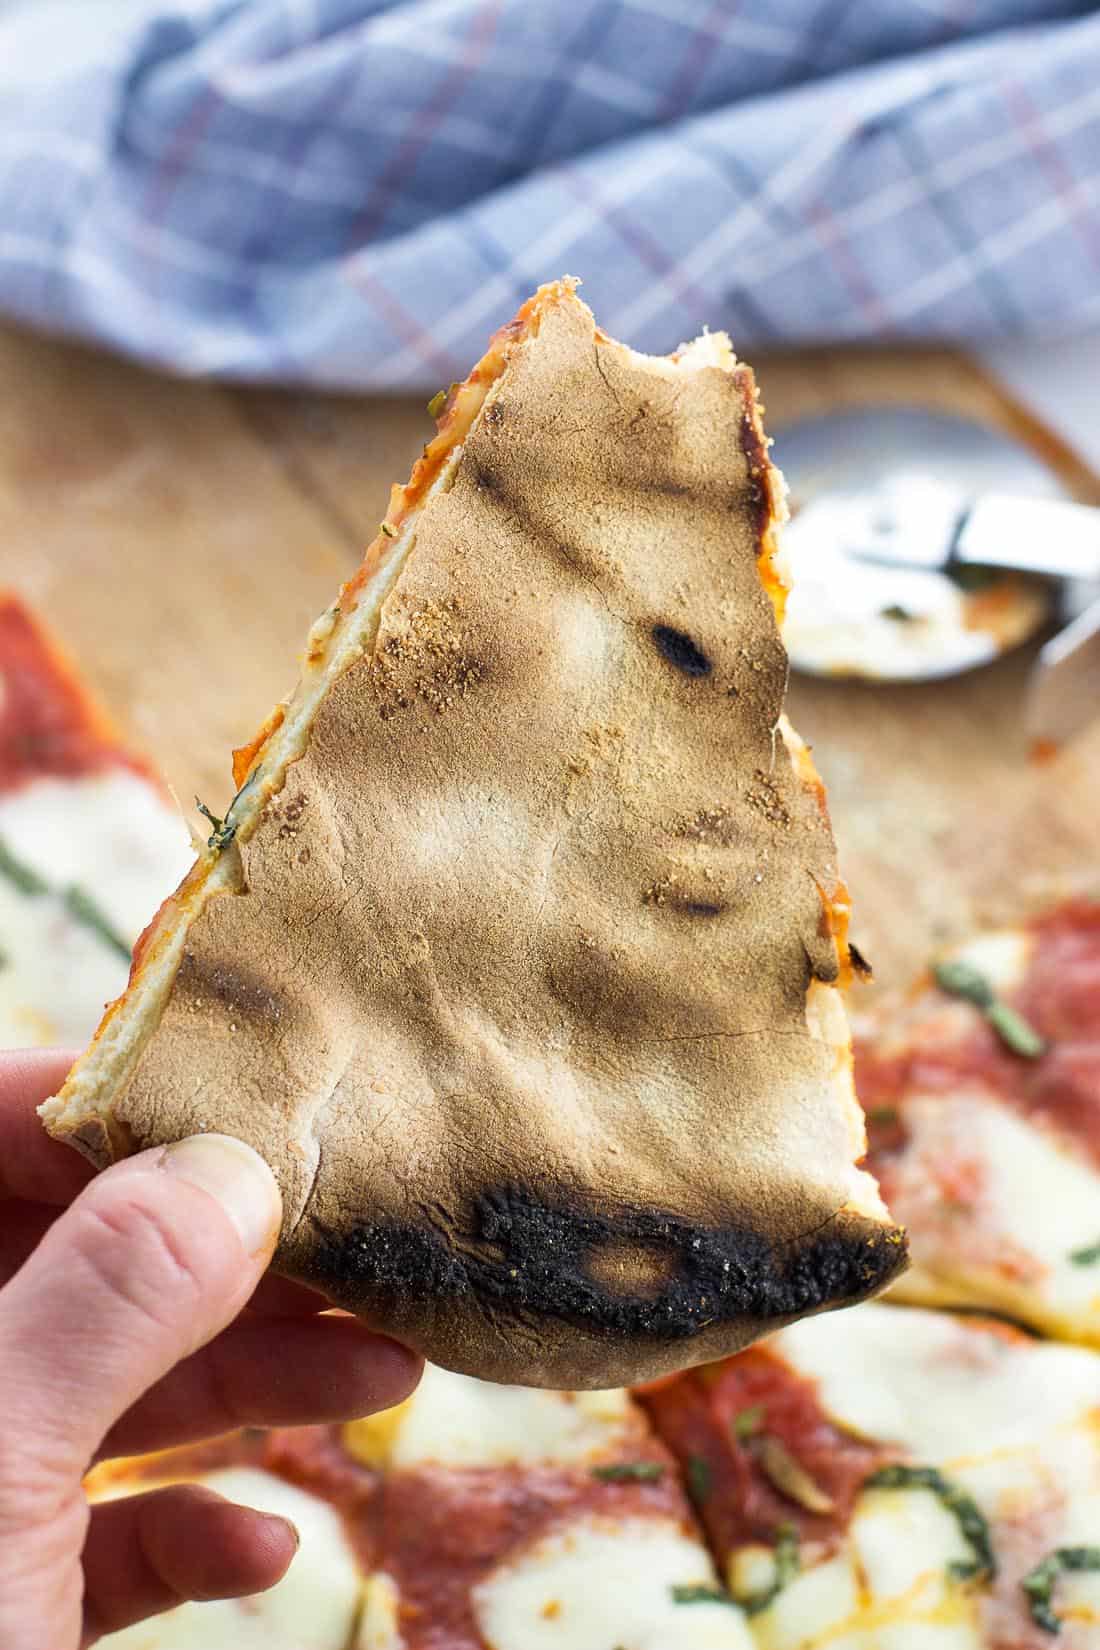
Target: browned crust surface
515	999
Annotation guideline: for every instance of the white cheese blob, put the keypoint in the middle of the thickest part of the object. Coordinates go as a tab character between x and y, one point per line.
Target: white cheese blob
314	1607
117	840
1006	1258
455	1421
1008	1421
598	1585
934	1384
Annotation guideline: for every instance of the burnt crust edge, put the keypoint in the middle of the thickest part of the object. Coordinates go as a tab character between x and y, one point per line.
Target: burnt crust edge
523	1257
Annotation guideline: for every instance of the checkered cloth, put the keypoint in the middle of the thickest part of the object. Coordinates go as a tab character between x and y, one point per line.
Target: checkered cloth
356	192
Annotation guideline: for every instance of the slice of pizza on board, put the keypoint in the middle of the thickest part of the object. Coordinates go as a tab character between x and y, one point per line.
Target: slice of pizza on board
90	843
896	1478
982	1091
471	1516
518	951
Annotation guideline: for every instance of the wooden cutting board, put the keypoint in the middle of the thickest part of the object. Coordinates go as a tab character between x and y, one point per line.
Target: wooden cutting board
180	537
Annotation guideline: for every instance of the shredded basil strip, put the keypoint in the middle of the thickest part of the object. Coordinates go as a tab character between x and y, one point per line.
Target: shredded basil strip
1014	1031
882	1114
222	834
959	979
699	1592
437	403
77	901
698	1478
747	1421
1087	1256
1038	1584
965	1510
83	907
896	611
624	1472
25	878
788	1562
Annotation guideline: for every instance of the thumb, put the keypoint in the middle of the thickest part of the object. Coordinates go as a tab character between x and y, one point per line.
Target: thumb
149	1263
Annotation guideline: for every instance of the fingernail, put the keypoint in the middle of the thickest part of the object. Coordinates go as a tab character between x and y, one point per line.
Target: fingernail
237	1177
287	1524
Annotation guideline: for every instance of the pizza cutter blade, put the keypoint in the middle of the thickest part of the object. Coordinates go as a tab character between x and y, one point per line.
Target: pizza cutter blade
896	620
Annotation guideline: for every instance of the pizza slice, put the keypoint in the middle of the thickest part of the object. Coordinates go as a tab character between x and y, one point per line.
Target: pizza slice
983	1099
472	1517
518	951
898	1479
89	843
512	1519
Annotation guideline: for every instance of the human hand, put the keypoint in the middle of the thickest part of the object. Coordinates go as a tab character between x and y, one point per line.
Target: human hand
131	1320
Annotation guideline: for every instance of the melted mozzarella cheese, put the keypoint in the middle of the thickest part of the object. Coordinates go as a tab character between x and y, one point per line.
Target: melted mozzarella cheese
937	1385
1009	1421
602	1586
315	1605
56	975
455	1421
1001	957
992	1253
379	1624
110	835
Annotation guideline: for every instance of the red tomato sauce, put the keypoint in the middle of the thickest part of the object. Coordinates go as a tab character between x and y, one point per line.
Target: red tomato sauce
696	1415
48	725
246	1448
439	1533
1059	997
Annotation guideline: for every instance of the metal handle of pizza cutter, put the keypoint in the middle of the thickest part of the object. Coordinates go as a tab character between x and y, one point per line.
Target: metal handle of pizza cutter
923	491
918	522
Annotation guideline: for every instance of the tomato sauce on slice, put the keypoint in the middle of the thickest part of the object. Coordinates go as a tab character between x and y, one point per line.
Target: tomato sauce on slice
715	1421
1059	996
48	725
438	1532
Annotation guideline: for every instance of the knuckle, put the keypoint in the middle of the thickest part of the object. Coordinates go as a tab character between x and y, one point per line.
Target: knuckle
134	1253
35	1482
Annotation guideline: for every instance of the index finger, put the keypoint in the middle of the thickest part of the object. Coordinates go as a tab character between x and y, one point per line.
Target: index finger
32	1166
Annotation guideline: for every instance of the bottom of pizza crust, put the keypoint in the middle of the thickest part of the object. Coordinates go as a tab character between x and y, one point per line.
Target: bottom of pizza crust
519	951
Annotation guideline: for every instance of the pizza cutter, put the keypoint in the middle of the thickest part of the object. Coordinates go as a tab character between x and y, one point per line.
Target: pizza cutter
923	544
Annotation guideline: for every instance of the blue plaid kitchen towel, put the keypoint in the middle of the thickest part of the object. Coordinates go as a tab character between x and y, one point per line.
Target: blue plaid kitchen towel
356	192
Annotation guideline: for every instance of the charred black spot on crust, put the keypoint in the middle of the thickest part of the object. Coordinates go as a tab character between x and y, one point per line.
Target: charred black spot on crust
486	480
523	1256
822	964
494	413
702	908
681	651
859	961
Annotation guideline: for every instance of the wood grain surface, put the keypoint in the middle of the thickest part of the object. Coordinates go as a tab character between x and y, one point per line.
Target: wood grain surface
181	537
